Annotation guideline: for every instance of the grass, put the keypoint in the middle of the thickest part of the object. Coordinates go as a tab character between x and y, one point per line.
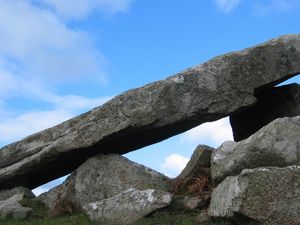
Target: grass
173	215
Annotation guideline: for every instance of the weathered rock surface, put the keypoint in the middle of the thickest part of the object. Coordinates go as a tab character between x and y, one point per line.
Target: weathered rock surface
191	203
101	177
146	115
267	196
127	207
11	208
198	167
25	192
278	102
200	159
277	144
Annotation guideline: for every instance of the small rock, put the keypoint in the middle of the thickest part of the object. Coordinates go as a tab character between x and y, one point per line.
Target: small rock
264	196
203	218
12	209
192	203
102	177
127	207
276	144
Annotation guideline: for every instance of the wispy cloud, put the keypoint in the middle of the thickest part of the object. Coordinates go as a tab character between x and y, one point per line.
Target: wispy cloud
39	51
13	128
268	6
214	132
81	8
259	7
227	6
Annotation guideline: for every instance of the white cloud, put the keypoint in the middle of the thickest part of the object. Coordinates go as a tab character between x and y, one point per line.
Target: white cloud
38	44
174	164
81	8
38	50
13	128
227	6
215	132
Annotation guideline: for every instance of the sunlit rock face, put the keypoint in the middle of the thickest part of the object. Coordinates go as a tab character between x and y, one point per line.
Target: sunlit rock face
277	144
101	177
127	207
261	196
152	113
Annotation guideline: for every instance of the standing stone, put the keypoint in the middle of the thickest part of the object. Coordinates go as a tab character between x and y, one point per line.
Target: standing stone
262	196
127	207
101	177
200	159
157	111
278	102
198	167
277	144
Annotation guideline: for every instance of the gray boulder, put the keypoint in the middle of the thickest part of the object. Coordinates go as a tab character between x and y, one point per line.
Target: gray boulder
278	102
12	209
8	193
262	196
277	144
101	177
127	207
157	111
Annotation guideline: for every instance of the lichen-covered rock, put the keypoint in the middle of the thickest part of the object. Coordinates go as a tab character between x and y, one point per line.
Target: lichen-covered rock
101	177
127	207
277	102
277	144
12	209
8	193
146	115
262	196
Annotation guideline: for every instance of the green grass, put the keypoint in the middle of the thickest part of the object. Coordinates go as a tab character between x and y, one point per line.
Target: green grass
173	215
63	220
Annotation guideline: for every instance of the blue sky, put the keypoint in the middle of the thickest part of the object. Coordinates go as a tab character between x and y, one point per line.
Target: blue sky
59	59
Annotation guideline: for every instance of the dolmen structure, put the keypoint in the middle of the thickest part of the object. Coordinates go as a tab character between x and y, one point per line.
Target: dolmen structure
266	151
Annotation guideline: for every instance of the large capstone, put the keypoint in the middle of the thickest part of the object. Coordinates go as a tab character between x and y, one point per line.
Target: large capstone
278	102
262	196
101	177
277	144
149	114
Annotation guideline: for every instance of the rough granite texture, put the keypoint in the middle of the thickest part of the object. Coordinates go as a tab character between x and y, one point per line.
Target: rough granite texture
201	158
101	177
149	114
262	196
278	102
8	193
277	144
127	207
12	209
